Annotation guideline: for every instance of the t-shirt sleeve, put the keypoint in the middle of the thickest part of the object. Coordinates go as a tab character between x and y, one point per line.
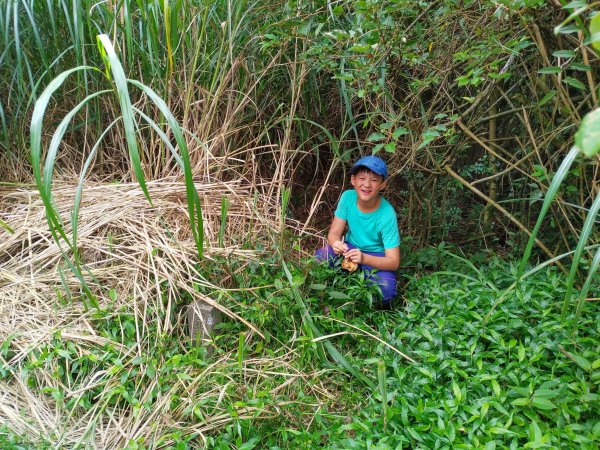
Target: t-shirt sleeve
389	232
341	211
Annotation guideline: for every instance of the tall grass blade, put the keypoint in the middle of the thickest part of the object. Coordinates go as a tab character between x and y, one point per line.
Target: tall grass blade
193	201
588	282
44	181
6	226
3	124
381	377
561	173
588	226
36	36
534	270
114	65
167	15
240	352
78	191
224	210
307	320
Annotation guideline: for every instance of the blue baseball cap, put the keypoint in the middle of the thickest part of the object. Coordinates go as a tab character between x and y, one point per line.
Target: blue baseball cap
373	163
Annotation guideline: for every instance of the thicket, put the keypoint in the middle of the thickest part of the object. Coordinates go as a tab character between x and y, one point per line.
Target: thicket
474	103
260	107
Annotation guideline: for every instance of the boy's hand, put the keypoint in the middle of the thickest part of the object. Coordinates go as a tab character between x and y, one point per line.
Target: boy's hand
339	247
354	255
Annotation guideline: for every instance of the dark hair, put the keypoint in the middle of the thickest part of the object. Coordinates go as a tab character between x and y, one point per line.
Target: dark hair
364	169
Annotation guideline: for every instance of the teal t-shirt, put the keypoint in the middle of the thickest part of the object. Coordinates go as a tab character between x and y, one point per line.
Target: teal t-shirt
370	232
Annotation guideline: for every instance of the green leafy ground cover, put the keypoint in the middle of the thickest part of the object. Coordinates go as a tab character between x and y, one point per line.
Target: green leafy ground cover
520	379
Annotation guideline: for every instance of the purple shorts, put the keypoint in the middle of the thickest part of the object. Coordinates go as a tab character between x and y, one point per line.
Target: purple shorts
385	279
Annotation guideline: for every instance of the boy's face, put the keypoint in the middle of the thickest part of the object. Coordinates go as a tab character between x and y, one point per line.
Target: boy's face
367	184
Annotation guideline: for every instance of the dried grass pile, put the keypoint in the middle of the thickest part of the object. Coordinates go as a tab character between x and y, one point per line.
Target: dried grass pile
140	260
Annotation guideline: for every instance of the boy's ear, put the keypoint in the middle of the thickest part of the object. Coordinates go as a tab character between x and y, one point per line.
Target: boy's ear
383	185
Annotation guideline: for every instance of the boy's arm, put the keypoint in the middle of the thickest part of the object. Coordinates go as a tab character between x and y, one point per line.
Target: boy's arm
334	237
391	260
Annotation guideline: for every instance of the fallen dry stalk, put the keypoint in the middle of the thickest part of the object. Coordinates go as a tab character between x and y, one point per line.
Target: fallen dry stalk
138	259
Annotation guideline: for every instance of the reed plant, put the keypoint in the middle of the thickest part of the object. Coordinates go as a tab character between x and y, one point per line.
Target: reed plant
586	143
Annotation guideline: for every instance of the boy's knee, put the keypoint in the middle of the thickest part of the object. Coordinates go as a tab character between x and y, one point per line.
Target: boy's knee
387	284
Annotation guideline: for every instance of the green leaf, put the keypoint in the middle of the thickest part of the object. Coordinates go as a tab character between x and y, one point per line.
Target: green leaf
563	54
317	287
338	295
425	372
587	137
582	362
500	430
542	403
496	388
373	137
360	48
580	67
249	445
560	174
575	83
547	97
545	393
114	65
595	30
456	390
377	148
6	226
521	352
521	401
390	147
550	70
399	132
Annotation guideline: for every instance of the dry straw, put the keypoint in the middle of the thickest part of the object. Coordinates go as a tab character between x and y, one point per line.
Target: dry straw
138	259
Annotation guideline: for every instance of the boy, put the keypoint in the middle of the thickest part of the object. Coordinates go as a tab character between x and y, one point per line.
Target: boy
373	240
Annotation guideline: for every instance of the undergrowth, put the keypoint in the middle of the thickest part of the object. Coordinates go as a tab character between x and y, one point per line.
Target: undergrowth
518	377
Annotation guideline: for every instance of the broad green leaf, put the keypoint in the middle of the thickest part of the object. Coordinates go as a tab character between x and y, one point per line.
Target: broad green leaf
400	131
563	54
560	174
317	287
545	393
575	83
377	148
542	403
586	231
550	70
338	295
193	201
595	30
521	352
580	67
360	48
496	388
114	66
582	362
587	137
373	137
456	390
500	430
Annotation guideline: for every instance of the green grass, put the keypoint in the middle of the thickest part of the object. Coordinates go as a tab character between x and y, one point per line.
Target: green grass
519	381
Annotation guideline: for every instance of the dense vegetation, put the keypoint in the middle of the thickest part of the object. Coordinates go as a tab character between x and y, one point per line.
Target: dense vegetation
156	153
